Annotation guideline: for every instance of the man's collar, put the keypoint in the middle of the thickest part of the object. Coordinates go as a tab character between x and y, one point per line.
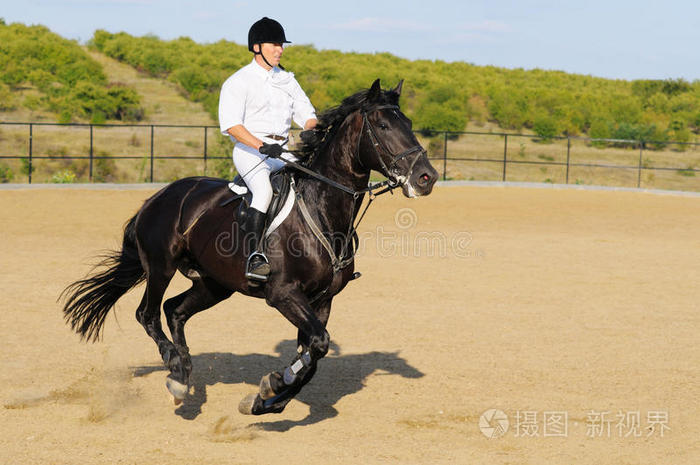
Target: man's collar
260	70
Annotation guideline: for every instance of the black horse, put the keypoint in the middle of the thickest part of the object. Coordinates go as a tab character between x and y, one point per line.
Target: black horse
180	226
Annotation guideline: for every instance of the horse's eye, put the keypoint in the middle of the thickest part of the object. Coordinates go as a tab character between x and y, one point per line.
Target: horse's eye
383	126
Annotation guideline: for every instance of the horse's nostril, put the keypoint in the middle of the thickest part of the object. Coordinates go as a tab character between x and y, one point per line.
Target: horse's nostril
423	179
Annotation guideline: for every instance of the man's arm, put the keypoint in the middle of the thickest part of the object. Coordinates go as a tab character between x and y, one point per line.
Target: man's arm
310	123
242	135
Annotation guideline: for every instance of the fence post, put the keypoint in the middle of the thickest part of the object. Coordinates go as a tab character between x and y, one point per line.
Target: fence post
205	150
31	137
568	157
505	157
91	153
444	159
151	153
639	169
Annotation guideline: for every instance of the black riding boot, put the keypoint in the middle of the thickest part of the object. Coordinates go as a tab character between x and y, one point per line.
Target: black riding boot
257	267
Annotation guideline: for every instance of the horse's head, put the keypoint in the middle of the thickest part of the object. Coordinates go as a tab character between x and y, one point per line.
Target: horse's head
388	145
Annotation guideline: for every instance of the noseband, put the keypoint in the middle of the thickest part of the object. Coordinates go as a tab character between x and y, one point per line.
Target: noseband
395	177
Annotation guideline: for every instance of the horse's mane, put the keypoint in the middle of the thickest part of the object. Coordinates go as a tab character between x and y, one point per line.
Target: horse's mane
315	141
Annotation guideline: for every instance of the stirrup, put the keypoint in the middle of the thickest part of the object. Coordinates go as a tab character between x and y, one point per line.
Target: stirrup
255	276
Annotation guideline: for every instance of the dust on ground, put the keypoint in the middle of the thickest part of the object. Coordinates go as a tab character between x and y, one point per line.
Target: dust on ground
557	307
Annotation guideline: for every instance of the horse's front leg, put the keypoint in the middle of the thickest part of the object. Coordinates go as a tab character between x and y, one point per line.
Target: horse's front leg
280	387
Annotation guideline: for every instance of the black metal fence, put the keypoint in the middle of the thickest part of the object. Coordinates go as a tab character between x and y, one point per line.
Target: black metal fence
460	155
31	156
613	154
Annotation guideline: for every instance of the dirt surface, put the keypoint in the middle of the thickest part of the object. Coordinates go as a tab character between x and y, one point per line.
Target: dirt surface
561	308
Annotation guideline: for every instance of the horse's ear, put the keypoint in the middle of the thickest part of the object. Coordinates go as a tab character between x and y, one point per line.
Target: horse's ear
374	92
398	87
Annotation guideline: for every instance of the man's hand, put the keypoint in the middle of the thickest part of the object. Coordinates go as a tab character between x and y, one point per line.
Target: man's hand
271	150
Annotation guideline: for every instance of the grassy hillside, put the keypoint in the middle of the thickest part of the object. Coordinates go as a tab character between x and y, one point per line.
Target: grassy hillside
440	96
43	71
177	82
163	101
160	102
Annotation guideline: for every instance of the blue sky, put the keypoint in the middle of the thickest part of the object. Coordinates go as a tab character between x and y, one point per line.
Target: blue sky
616	39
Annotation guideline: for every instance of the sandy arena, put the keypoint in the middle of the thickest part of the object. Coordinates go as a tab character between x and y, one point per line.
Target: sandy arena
574	312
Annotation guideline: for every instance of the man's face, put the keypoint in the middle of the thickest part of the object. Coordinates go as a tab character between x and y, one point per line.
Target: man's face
272	52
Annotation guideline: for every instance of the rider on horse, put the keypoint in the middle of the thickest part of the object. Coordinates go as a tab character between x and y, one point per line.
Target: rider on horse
256	108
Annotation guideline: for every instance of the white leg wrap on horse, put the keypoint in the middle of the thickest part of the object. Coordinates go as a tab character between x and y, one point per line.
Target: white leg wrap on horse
290	373
177	389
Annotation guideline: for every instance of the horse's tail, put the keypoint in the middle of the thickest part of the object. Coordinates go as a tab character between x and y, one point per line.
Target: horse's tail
89	300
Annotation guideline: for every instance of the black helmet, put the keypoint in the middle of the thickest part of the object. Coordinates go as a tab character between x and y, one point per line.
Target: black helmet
266	31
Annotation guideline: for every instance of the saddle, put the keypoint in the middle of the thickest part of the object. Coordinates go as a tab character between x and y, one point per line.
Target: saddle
280	181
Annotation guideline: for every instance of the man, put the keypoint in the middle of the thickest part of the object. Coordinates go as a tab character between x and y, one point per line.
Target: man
256	108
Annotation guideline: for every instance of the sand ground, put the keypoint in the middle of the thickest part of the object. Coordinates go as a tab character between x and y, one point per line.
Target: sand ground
573	312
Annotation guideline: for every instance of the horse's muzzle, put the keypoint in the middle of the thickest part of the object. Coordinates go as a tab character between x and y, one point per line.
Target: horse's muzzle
421	180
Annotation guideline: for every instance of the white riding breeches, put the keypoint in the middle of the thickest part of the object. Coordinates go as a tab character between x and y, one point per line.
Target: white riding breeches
255	170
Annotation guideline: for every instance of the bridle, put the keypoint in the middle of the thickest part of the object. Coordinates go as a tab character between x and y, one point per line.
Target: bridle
395	178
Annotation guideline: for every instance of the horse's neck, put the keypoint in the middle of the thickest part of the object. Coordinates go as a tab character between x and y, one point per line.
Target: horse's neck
334	208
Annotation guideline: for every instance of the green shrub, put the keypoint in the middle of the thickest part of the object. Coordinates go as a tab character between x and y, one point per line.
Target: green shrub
63	177
545	127
32	102
688	172
6	174
105	168
433	117
7	100
72	84
26	169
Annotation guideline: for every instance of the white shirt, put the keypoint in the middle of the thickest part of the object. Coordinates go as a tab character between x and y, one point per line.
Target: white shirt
264	102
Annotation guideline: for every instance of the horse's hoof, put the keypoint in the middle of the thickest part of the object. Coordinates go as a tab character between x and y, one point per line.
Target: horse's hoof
247	404
266	391
177	389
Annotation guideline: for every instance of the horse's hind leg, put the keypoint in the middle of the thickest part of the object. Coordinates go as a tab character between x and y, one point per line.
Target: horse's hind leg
148	313
203	294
